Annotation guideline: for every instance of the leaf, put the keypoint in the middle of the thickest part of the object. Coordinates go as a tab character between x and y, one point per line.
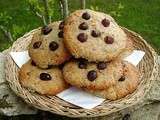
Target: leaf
18	30
117	11
96	8
5	19
120	6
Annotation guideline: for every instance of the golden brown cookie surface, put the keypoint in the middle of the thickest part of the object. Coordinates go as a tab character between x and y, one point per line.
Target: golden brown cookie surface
46	82
47	48
93	35
125	85
84	74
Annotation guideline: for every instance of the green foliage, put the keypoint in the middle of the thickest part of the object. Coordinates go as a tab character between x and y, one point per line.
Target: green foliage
16	17
56	12
96	8
117	11
38	6
5	19
19	30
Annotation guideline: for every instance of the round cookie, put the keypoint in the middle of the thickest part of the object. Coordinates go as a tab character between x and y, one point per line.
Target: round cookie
47	48
125	85
83	74
93	35
46	82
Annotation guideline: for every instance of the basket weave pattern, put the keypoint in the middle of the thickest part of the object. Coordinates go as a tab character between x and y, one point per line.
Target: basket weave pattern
148	67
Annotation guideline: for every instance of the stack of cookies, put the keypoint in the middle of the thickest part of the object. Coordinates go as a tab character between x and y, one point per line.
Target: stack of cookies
86	51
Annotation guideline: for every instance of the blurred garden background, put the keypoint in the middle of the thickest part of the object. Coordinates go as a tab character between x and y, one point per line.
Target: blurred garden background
141	16
18	17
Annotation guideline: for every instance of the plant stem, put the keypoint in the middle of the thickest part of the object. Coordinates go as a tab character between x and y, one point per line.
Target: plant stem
61	8
46	10
65	8
41	17
7	33
83	4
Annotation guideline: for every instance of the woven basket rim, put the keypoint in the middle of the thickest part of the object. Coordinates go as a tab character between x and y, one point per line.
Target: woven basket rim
153	75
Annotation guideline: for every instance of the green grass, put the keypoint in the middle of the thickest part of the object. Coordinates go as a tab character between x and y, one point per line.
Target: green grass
141	16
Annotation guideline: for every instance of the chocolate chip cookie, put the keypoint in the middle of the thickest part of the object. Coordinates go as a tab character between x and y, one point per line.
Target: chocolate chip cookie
93	35
126	84
46	82
46	48
83	74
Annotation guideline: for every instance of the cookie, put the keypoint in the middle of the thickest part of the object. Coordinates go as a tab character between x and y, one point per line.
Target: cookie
45	82
125	85
96	76
93	35
128	49
46	48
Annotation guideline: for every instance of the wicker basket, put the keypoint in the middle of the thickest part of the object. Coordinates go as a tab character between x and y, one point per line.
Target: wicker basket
148	66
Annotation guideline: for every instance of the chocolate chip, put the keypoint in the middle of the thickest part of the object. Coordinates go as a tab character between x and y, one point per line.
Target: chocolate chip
122	78
82	64
50	66
108	40
60	34
61	25
83	26
33	63
86	16
53	46
95	33
101	65
92	75
105	22
82	37
109	61
46	30
126	117
37	44
45	76
82	60
61	66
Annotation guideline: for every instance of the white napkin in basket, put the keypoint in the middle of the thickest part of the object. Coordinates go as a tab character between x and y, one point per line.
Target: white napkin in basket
74	95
